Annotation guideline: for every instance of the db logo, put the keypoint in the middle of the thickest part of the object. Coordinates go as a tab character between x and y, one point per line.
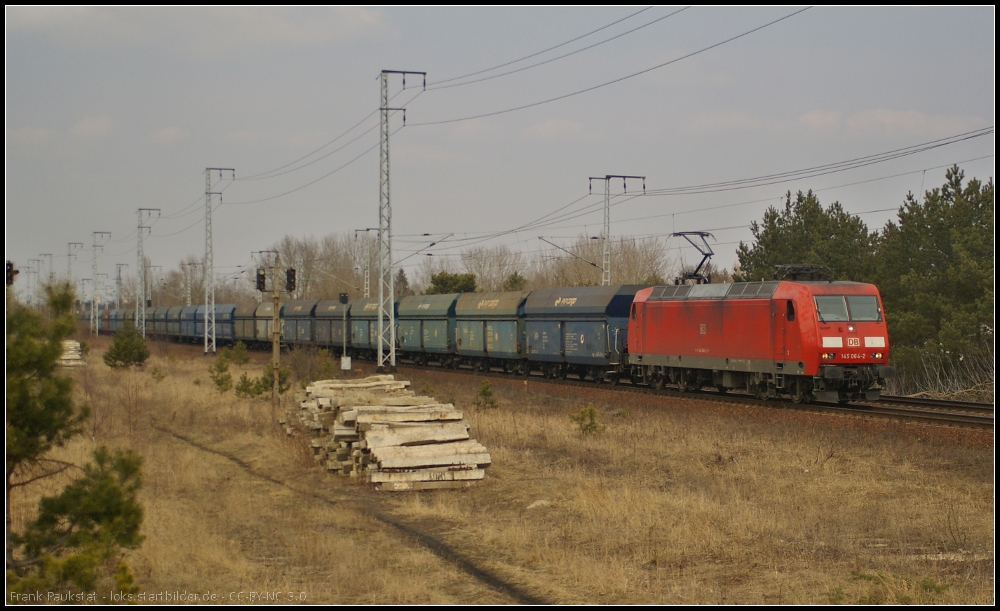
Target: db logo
853	341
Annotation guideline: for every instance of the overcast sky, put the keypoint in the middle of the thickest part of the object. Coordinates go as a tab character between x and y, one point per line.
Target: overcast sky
110	110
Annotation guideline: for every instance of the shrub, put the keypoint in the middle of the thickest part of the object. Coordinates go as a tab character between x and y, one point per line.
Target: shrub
310	364
219	372
266	381
247	387
129	349
251	388
586	418
237	355
485	397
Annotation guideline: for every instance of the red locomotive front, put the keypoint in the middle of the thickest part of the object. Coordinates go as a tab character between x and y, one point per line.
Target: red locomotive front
824	340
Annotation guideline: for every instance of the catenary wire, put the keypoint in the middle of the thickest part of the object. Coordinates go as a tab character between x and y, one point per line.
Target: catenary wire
565	55
562	44
617	80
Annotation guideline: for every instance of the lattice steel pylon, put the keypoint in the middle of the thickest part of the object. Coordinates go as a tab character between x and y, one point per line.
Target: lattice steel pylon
99	238
118	296
70	257
140	305
606	231
386	289
209	257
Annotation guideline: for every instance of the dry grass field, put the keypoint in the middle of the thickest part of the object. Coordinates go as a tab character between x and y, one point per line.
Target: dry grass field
672	501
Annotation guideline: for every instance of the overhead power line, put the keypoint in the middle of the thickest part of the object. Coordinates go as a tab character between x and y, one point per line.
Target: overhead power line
617	80
561	214
549	61
272	173
312	182
562	44
820	170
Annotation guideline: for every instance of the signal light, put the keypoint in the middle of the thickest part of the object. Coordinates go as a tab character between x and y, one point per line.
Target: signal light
261	279
290	280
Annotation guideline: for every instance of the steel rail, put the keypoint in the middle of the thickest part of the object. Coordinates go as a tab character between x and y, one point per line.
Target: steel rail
864	410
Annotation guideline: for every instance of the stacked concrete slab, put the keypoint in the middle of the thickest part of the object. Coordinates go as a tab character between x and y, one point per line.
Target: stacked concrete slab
377	429
71	356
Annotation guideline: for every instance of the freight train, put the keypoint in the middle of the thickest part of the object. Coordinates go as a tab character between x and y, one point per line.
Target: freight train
823	340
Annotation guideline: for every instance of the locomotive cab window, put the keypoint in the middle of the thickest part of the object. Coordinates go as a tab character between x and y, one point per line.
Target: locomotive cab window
790	311
864	308
633	311
838	308
831	308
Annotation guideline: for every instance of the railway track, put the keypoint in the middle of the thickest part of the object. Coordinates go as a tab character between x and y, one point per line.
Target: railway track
911	409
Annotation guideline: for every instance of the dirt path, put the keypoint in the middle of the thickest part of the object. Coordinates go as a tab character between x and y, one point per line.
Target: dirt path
357	501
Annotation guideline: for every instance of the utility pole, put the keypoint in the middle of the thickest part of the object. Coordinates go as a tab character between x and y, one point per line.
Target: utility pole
386	298
209	256
100	237
606	233
118	298
144	214
275	338
71	247
52	273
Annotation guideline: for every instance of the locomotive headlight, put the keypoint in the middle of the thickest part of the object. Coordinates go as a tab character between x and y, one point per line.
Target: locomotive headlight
850	328
829	356
876	355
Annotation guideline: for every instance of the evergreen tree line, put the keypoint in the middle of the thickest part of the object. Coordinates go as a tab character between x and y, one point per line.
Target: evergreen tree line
933	266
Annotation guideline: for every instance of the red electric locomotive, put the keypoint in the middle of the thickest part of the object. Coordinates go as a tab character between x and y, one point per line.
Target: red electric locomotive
807	339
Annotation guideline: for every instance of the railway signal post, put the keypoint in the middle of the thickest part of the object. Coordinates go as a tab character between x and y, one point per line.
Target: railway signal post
275	338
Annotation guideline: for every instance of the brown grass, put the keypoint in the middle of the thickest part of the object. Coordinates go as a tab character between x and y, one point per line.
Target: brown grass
674	502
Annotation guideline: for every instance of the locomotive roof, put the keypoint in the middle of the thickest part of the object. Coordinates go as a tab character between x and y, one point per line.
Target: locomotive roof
736	290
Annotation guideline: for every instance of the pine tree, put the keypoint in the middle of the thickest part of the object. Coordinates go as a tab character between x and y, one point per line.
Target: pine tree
78	531
805	232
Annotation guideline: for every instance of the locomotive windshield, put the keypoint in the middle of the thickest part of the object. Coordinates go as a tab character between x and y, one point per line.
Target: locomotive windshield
838	308
864	307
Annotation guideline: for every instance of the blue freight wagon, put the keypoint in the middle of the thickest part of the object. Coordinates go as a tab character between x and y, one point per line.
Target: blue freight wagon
174	321
425	327
199	322
264	321
490	330
160	321
244	325
579	330
188	323
224	323
328	321
297	322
